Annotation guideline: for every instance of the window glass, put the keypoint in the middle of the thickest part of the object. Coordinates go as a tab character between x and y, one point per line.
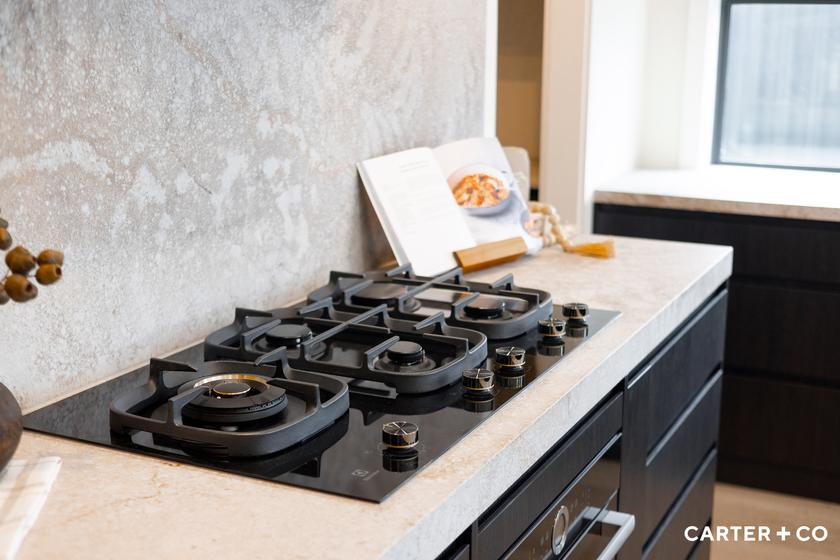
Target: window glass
781	95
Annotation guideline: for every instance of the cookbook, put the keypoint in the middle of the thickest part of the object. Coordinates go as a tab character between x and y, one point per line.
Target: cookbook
432	202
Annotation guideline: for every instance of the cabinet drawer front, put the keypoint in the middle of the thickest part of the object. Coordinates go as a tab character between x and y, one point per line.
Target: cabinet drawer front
676	458
781	330
800	250
782	424
663	389
701	551
693	508
532	495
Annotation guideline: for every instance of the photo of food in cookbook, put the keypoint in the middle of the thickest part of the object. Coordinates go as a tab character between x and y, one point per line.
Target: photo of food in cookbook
479	189
485	189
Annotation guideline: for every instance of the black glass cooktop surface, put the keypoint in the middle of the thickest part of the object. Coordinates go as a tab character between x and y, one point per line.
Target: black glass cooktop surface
347	457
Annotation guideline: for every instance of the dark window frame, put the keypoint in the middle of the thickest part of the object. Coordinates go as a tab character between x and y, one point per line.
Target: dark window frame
720	89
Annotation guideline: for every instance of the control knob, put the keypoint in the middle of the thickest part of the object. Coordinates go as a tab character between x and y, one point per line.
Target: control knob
552	329
575	311
478	381
510	357
400	435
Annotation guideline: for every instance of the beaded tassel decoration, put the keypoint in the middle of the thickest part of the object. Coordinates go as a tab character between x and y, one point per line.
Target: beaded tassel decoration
15	283
552	234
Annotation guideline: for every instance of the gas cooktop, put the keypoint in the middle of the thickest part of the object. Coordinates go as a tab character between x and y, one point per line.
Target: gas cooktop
352	391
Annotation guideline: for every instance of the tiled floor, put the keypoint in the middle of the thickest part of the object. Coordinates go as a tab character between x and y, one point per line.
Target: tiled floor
737	505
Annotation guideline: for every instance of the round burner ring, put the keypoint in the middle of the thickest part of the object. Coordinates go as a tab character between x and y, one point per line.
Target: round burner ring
485	307
406	353
233	398
387	293
290	335
228	389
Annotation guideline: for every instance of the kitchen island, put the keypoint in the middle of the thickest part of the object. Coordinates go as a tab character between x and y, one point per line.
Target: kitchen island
108	504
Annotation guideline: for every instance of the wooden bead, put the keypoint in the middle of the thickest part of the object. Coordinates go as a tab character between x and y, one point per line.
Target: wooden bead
48	274
20	289
5	239
51	256
20	261
4	297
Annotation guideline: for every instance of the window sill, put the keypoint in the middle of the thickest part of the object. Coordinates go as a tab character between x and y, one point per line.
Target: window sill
730	189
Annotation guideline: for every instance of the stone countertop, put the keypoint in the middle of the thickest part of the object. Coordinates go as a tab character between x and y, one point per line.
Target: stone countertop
728	189
113	504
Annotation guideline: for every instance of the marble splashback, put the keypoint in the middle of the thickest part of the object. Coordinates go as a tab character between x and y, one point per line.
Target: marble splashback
192	156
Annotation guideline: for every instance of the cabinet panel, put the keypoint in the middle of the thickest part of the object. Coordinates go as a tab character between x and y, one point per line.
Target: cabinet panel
786	331
662	390
670	466
799	250
786	425
692	508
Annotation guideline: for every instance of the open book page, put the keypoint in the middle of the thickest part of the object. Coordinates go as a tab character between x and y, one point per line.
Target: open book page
415	206
482	183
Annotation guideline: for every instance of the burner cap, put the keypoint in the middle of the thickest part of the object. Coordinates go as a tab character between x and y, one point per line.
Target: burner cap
288	334
379	293
406	353
233	398
485	307
228	389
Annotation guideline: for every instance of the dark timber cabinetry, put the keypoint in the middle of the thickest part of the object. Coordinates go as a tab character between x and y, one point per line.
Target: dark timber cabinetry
661	425
781	390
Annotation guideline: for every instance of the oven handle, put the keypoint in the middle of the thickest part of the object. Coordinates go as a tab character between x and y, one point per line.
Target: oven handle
625	522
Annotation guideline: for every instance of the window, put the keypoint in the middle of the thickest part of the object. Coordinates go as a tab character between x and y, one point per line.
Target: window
778	100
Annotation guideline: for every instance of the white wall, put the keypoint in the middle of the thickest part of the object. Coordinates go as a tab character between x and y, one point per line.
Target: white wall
616	82
628	84
679	83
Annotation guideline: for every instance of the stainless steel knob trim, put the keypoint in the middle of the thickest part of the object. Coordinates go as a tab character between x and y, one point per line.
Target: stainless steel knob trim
478	380
510	357
575	311
400	434
551	328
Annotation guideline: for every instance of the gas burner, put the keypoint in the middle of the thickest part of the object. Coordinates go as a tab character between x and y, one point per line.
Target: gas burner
234	398
289	335
406	357
411	356
230	409
500	310
379	293
406	353
485	307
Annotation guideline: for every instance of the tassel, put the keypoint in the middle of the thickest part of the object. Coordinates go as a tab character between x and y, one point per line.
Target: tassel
599	249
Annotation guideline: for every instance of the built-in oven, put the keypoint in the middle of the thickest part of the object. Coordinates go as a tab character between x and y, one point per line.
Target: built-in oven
582	522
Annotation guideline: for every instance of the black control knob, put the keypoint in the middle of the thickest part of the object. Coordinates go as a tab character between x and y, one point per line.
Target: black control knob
478	381
552	329
510	357
400	434
406	353
575	311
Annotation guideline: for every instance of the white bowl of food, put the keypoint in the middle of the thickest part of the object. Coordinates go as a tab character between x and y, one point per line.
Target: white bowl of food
481	190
